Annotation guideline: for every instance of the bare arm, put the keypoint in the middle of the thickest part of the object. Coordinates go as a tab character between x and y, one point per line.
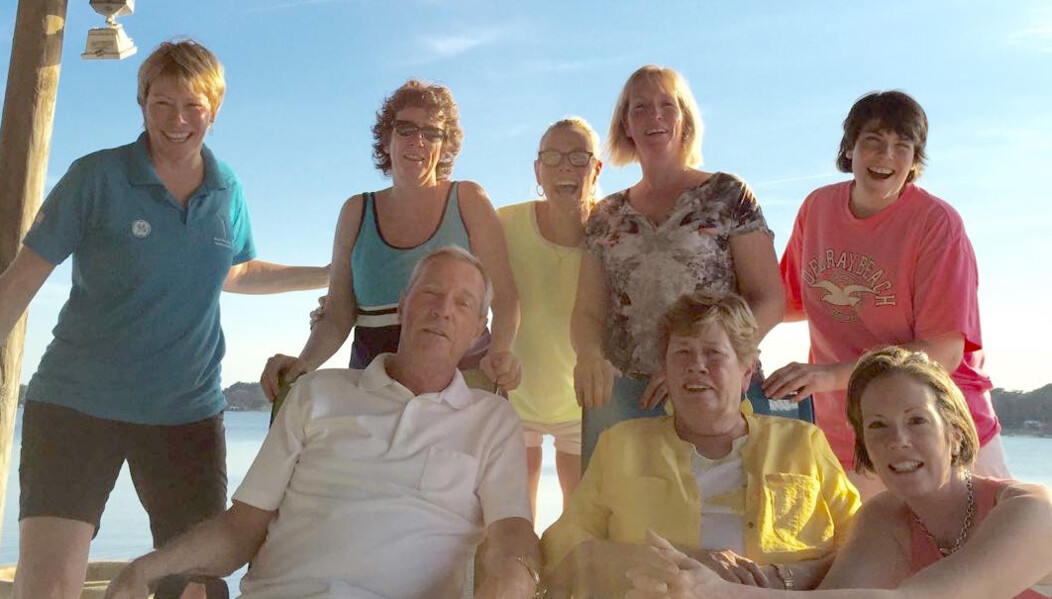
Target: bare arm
759	280
257	277
594	374
486	235
341	308
800	380
508	541
18	285
216	547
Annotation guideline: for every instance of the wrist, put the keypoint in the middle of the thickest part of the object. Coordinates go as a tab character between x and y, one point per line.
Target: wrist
786	575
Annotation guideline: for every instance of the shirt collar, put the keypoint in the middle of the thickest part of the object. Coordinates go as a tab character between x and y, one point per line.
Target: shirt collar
457	394
142	172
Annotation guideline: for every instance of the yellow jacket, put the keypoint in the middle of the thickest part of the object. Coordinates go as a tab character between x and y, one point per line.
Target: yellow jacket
797	497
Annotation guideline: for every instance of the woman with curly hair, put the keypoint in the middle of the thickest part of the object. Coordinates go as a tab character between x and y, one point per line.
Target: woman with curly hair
381	235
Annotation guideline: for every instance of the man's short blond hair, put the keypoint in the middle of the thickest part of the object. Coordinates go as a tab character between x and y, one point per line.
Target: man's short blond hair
456	253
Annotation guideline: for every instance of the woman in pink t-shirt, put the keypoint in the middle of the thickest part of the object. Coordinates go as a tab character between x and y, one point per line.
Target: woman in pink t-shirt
876	261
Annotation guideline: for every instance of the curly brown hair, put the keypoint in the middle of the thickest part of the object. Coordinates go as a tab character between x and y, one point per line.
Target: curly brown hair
434	98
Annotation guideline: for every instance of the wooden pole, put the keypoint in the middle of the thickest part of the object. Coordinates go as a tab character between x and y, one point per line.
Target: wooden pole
25	140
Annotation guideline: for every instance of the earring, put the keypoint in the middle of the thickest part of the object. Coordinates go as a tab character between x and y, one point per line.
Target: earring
539	190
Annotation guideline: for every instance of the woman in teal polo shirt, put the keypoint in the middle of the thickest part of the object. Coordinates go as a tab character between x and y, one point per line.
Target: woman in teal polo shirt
156	229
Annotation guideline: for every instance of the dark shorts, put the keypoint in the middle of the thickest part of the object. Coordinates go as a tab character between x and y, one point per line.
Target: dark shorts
70	462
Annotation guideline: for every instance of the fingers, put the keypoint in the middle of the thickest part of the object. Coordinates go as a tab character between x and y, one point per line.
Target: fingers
755	575
280	368
503	369
785	382
655	393
594	381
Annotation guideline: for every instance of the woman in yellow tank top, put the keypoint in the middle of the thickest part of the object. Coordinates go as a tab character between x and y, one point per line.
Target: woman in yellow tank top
544	246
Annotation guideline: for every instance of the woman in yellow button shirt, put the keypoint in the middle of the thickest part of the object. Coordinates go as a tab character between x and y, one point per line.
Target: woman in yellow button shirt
761	500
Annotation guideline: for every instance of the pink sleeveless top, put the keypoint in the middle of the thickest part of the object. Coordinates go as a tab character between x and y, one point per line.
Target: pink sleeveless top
923	551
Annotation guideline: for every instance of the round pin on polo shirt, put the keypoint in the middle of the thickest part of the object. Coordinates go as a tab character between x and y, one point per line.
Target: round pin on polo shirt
140	228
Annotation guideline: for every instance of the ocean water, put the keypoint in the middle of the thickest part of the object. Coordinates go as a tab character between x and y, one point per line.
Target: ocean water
124	532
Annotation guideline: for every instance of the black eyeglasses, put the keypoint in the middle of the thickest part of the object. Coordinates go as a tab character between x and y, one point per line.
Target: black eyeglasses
554	157
409	129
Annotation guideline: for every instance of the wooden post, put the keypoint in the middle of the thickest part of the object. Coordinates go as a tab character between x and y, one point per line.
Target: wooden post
25	140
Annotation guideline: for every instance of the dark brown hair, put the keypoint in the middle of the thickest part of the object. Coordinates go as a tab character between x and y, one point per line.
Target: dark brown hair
892	111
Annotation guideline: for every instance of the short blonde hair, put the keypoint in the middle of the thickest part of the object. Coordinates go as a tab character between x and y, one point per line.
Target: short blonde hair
188	63
949	401
578	123
622	150
693	312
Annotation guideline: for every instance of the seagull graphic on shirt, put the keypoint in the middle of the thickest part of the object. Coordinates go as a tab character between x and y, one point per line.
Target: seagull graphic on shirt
842	297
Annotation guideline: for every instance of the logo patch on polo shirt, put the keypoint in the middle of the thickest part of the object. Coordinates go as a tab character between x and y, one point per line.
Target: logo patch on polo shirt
141	228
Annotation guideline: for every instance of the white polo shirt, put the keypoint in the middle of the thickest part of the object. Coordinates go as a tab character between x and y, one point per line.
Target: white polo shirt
381	493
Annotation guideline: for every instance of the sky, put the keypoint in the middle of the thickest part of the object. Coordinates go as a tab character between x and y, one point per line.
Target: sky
774	80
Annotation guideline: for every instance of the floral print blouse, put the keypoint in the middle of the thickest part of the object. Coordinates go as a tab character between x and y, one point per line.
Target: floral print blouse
648	266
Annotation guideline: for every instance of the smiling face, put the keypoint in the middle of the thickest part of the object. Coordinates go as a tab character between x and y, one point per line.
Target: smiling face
442	313
906	437
177	119
415	157
705	379
566	185
880	161
653	121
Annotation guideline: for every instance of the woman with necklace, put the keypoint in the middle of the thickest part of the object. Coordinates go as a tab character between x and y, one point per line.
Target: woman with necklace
676	231
544	248
938	530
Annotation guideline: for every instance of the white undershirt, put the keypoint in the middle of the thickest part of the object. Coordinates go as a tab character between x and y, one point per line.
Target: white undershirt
721	484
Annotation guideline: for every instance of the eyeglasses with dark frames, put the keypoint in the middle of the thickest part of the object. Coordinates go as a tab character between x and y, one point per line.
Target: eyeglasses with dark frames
430	134
555	157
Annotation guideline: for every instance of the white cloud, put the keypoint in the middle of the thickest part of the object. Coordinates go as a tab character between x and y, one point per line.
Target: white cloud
777	182
452	45
290	4
1037	39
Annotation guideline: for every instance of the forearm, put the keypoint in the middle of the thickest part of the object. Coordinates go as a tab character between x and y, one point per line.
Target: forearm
947	350
18	284
326	338
216	547
586	333
505	323
808	574
769	310
14	299
257	277
510	558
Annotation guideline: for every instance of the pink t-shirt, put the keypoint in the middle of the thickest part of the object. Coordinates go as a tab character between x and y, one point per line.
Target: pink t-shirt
905	273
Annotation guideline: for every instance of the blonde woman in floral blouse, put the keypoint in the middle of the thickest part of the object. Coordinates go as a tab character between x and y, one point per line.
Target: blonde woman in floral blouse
676	231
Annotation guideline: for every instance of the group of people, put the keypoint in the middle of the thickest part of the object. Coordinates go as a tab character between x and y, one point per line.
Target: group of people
627	328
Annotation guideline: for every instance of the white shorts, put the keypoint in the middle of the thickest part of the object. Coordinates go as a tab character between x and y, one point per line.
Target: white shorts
567	435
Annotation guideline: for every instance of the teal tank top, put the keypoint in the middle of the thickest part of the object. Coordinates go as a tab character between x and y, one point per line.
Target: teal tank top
381	271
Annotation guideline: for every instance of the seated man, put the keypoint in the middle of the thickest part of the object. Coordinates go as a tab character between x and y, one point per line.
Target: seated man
379	482
759	499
